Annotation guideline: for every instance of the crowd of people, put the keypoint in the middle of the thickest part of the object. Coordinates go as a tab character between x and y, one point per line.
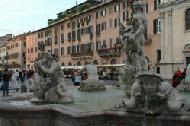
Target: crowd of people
16	77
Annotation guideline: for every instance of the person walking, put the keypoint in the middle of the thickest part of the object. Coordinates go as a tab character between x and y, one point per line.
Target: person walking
6	79
77	79
104	75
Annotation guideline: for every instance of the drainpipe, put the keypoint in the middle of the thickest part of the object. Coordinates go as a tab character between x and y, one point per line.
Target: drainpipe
172	38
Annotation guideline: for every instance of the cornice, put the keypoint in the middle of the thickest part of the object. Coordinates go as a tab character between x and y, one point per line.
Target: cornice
173	5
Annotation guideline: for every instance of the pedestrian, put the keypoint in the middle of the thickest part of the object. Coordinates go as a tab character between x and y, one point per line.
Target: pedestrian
77	79
183	75
175	79
6	78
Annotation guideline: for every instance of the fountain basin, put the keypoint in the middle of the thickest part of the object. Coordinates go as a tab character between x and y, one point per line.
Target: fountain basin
19	112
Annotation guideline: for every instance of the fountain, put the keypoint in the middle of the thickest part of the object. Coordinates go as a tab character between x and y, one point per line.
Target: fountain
92	83
52	89
150	101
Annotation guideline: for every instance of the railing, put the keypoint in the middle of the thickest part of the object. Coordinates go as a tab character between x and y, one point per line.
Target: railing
110	52
89	53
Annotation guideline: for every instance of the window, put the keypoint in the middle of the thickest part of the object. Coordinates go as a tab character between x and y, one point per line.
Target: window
158	70
104	46
62	38
98	45
124	5
16	45
74	49
97	14
103	13
124	16
31	50
69	36
187	19
73	35
116	8
56	52
98	29
103	26
73	24
113	61
115	23
62	27
157	26
110	23
156	4
111	43
62	51
36	49
68	25
110	10
68	50
56	40
158	56
146	7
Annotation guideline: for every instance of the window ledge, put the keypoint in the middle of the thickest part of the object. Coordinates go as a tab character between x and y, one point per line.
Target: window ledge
187	30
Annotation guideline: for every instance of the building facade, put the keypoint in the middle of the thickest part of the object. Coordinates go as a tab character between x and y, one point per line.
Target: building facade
175	36
93	34
31	49
16	49
3	51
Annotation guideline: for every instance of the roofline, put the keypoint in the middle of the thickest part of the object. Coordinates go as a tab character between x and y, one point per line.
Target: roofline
87	10
67	18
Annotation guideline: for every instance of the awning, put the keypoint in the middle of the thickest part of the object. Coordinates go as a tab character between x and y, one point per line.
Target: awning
111	65
72	67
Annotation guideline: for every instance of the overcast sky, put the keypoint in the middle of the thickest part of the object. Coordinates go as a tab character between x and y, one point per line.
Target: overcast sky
19	16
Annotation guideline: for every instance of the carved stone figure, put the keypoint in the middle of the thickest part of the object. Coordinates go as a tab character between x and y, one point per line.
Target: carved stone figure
134	39
150	95
187	78
49	81
92	72
92	83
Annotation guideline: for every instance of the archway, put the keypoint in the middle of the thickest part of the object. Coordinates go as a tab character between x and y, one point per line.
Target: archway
95	62
113	61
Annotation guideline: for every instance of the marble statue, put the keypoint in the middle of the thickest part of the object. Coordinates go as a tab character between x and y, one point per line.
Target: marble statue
134	38
187	78
49	84
92	72
151	95
92	83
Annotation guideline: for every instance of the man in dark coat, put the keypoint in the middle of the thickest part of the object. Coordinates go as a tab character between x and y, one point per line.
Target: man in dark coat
6	78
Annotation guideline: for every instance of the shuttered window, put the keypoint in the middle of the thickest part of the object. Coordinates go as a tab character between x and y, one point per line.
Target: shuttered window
188	19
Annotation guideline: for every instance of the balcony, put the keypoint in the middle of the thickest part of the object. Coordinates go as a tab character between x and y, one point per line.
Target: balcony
81	54
111	52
